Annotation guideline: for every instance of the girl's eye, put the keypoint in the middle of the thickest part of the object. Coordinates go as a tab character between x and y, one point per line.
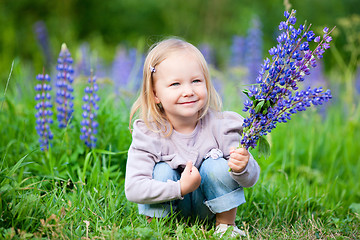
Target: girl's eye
197	81
175	84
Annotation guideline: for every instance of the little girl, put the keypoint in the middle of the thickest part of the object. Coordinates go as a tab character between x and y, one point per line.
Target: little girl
183	145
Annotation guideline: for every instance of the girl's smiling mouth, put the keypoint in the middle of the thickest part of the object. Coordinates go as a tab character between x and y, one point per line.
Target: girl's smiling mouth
188	102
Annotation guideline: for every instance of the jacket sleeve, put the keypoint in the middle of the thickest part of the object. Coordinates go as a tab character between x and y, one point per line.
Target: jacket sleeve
230	131
144	153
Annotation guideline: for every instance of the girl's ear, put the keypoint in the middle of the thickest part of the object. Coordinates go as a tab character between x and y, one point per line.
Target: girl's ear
157	100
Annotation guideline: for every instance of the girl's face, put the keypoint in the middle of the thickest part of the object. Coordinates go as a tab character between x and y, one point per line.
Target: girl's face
180	87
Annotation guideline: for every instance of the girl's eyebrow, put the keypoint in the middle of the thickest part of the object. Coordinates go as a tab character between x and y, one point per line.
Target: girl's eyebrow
175	79
199	77
195	77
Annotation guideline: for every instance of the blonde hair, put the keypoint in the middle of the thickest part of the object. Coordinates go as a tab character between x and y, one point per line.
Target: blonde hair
151	113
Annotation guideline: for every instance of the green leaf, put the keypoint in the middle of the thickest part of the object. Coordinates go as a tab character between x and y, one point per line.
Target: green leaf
264	147
259	106
246	92
267	104
86	163
101	151
264	109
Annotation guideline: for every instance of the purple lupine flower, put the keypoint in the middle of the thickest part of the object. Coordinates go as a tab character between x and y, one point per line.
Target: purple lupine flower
275	98
64	94
136	83
238	51
43	40
207	52
90	107
100	68
123	67
44	113
253	57
83	63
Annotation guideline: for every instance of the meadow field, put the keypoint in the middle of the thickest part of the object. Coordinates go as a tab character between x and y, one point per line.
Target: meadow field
309	187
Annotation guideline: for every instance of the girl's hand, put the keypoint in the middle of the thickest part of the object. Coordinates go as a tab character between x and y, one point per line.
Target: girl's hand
190	179
238	160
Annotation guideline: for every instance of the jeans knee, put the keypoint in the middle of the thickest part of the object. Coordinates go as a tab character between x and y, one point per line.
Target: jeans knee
214	165
163	172
213	171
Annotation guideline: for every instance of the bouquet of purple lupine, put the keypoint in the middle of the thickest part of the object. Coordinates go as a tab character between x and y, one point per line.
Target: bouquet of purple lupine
276	97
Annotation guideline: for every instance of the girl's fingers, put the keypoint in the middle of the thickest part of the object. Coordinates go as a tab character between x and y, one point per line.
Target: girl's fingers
232	149
242	151
236	163
234	167
188	167
237	156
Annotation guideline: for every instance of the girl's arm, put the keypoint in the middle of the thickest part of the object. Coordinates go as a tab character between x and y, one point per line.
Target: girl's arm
139	185
245	170
143	154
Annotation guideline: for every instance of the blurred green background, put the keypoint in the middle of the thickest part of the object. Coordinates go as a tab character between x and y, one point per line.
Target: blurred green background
106	24
309	187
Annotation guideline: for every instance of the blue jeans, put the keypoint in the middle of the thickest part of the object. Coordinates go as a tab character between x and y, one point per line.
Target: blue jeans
217	193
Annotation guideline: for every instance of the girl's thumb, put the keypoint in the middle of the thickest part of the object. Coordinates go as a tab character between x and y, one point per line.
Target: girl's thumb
189	166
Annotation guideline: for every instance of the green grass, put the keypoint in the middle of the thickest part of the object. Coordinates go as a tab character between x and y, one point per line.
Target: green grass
309	187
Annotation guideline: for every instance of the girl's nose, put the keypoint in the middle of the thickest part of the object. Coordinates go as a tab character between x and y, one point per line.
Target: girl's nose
187	91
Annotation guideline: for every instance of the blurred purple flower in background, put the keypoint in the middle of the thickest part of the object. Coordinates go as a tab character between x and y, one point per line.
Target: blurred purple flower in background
275	97
247	51
238	51
122	67
44	113
100	68
126	71
253	55
90	107
64	93
208	53
83	65
209	56
139	74
43	40
317	77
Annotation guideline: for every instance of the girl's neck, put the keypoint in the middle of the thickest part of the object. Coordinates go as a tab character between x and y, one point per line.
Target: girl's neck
185	127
